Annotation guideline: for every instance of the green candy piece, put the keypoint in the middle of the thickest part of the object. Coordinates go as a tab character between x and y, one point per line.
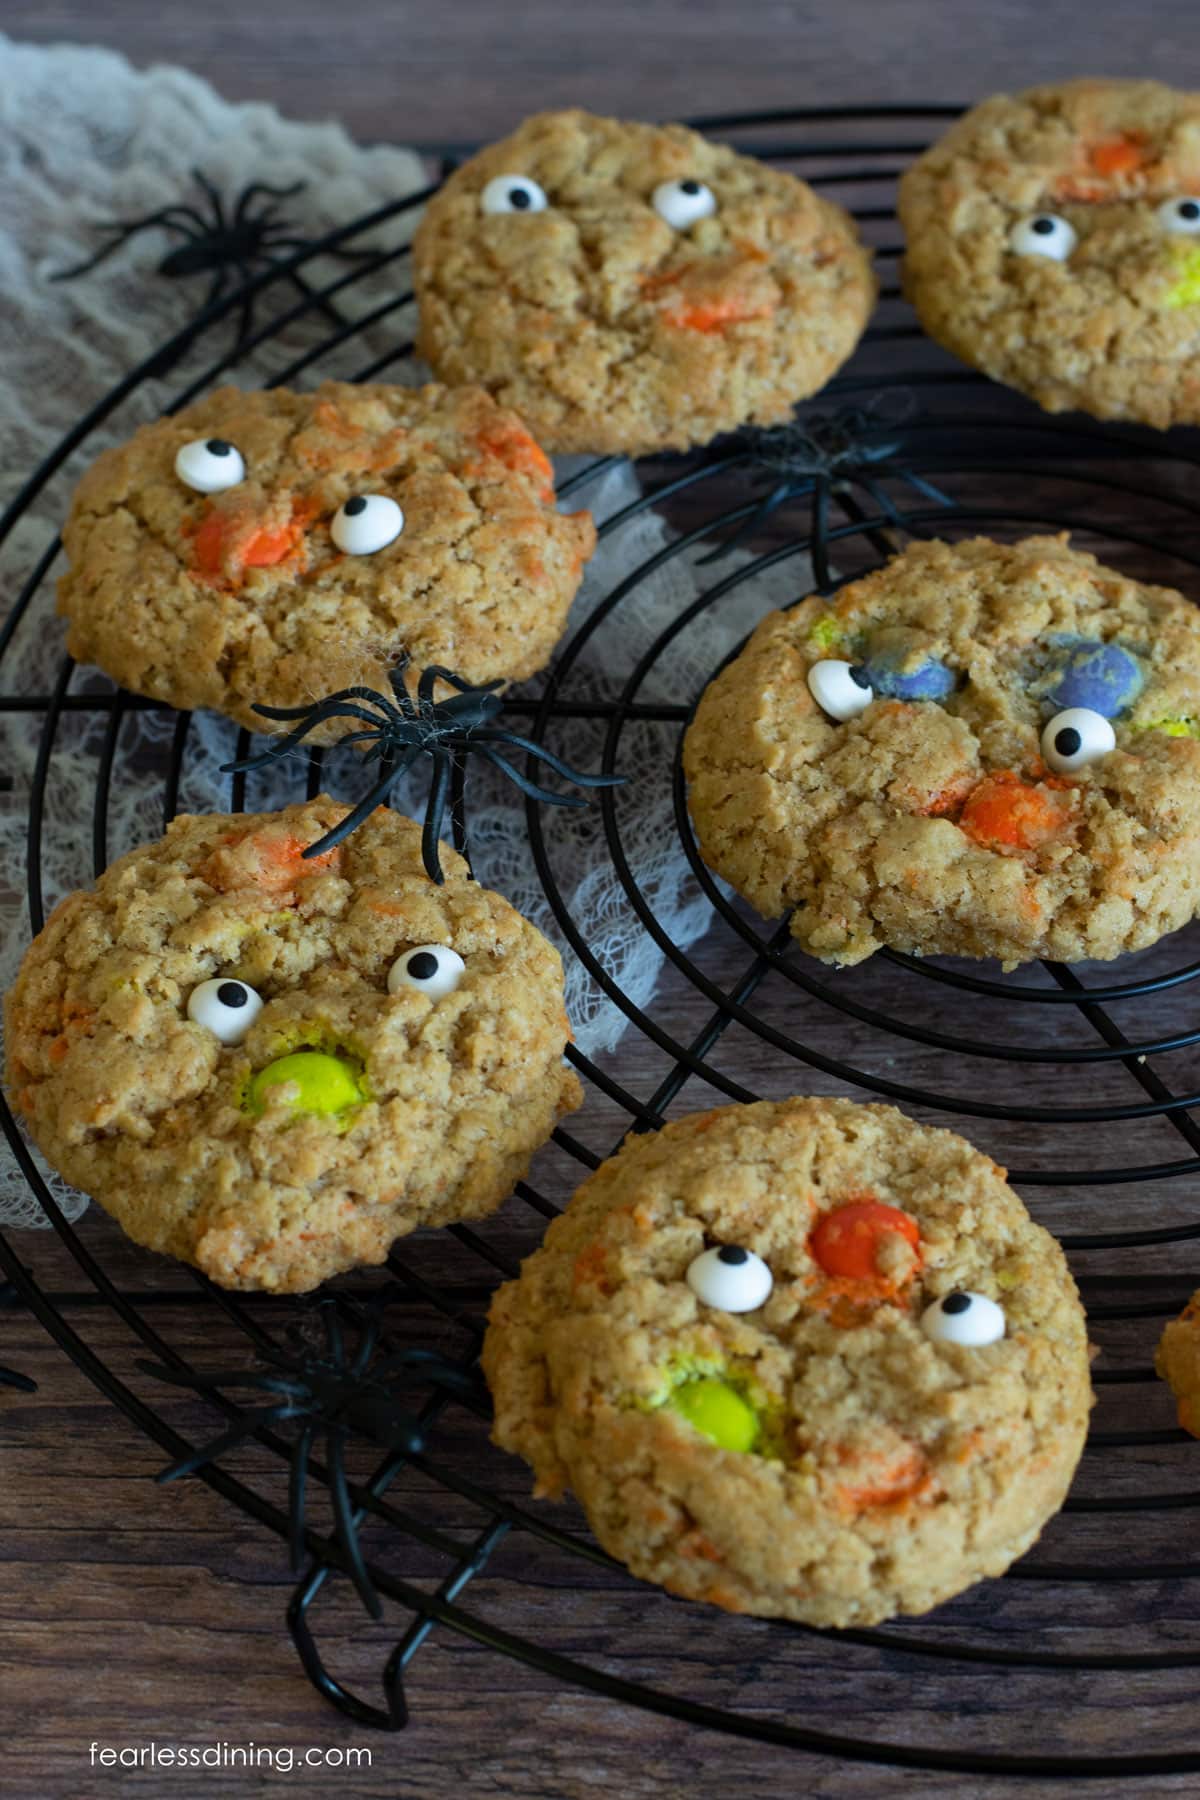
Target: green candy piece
324	1084
717	1411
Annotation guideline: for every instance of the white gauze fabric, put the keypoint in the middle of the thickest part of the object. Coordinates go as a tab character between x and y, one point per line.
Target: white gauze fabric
84	138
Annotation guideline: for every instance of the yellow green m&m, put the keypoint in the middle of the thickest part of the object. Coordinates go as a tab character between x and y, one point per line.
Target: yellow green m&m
716	1410
322	1083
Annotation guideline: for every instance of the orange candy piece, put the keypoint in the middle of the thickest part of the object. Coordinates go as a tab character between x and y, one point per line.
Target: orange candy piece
1005	813
1117	156
845	1241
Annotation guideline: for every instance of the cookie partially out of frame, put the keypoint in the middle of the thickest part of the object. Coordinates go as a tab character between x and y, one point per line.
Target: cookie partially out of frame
271	1068
1053	240
635	287
273	546
980	749
800	1358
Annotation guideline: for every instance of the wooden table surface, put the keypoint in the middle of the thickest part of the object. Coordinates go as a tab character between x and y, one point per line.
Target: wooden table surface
129	1613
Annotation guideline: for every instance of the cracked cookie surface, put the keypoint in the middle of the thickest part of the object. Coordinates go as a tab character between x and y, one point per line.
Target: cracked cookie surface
934	825
889	1470
239	596
611	328
1097	306
353	1110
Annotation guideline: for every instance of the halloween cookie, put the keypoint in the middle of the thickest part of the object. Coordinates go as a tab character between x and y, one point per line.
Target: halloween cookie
635	287
980	749
272	1068
1053	240
1178	1363
275	546
801	1358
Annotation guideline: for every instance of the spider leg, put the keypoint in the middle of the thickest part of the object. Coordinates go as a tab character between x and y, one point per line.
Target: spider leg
290	242
367	1345
126	229
204	1382
426	684
213	197
264	187
435	808
330	700
246	310
237	1434
377	797
514	741
786	490
527	787
347	1529
456	681
297	1492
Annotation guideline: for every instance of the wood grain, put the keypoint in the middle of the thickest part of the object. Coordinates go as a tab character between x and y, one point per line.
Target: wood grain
131	1613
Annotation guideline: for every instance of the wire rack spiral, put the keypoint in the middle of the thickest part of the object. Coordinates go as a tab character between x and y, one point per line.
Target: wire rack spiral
1085	1081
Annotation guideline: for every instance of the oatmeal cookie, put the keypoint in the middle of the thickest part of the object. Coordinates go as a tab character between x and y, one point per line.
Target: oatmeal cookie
1053	240
980	749
272	547
802	1358
635	287
270	1067
1177	1362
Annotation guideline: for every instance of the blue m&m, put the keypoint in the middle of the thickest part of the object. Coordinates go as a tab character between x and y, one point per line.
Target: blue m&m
906	679
1103	677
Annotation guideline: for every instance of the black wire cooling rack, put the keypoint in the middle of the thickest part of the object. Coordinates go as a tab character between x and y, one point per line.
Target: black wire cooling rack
1085	1081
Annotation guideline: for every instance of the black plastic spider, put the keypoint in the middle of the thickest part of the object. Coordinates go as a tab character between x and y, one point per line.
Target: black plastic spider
400	731
223	244
334	1393
822	454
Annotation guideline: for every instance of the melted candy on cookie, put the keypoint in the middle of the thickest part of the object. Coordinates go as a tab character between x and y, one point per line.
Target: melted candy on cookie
323	1084
715	1409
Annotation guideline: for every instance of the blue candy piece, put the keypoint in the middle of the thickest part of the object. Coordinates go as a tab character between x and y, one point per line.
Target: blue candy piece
1102	677
929	680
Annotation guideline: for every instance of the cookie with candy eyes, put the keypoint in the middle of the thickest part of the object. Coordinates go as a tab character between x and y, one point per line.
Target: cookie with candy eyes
635	287
272	547
1053	240
801	1358
270	1067
979	749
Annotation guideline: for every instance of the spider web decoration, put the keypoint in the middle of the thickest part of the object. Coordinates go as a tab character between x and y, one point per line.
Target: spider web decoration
1083	1081
230	244
395	733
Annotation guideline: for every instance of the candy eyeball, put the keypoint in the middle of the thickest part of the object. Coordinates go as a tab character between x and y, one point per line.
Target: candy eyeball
225	1007
1075	738
210	465
513	194
730	1278
962	1318
1043	234
683	203
431	969
1181	217
366	523
839	688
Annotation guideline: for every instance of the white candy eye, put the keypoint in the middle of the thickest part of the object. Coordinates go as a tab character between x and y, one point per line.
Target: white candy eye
1180	217
730	1278
226	1008
1043	234
210	465
1075	738
366	523
839	688
682	203
513	194
960	1318
431	969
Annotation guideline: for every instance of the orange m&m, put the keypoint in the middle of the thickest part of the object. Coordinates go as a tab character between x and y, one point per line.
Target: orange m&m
846	1241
